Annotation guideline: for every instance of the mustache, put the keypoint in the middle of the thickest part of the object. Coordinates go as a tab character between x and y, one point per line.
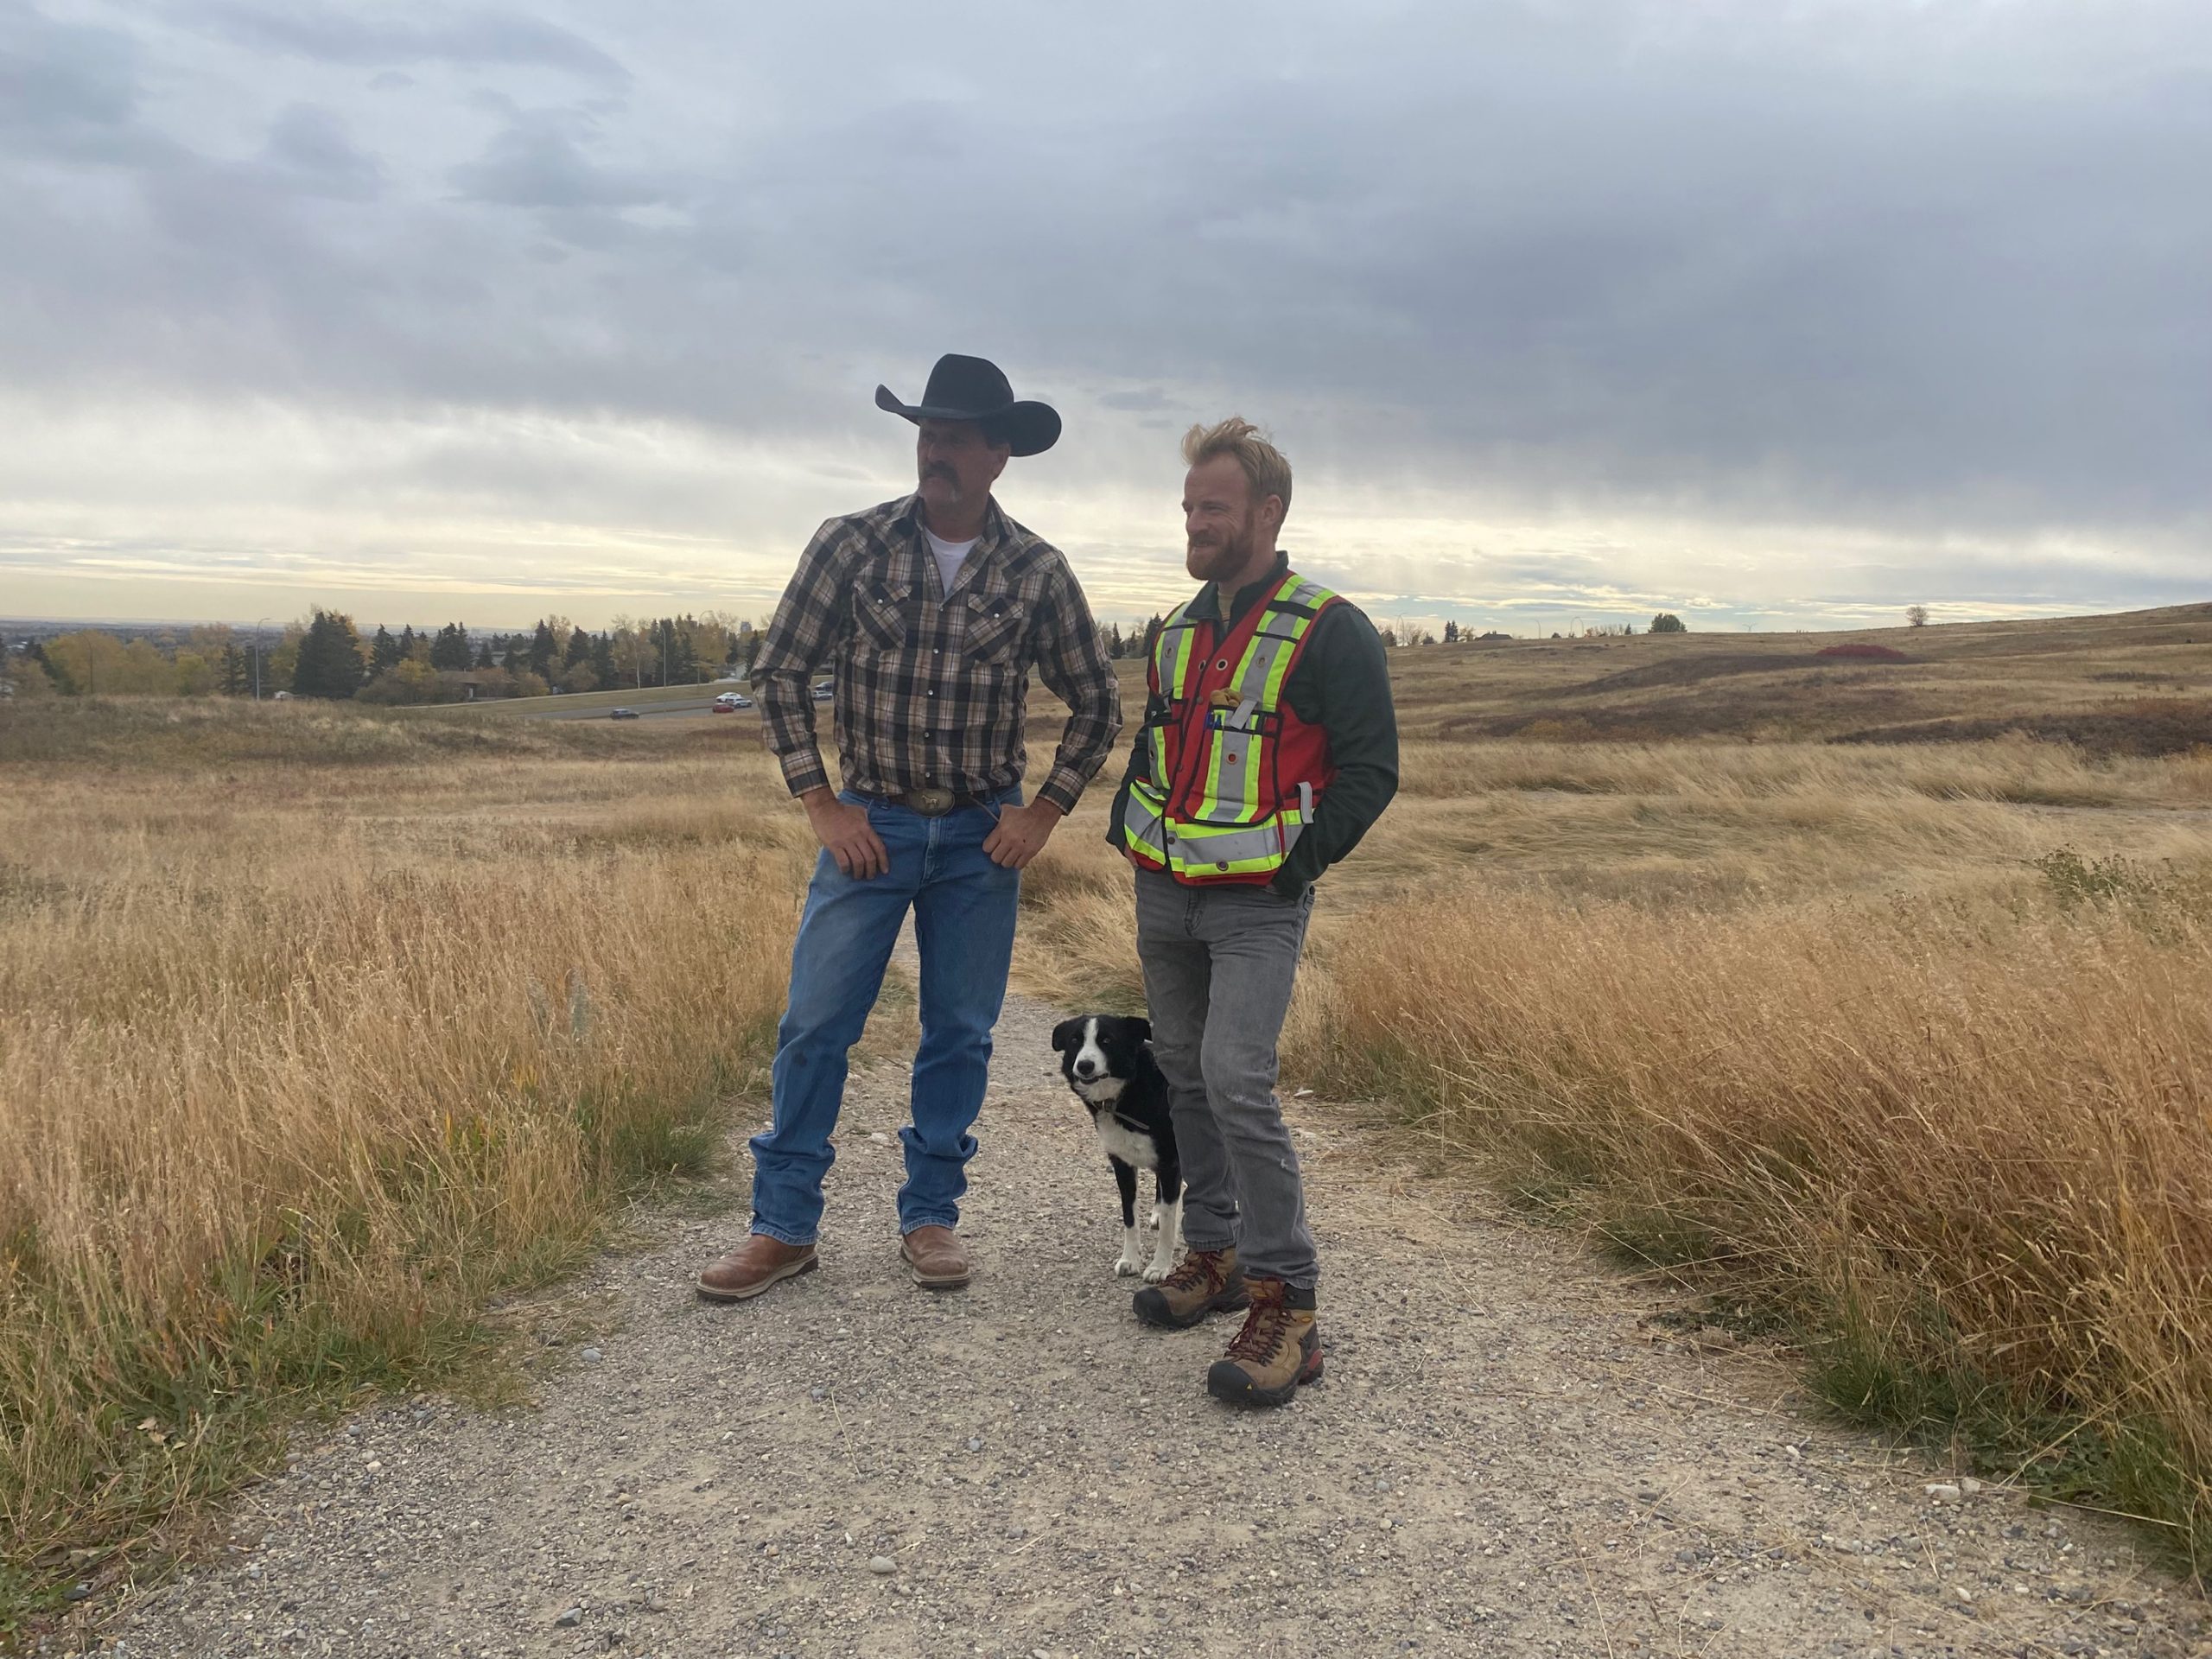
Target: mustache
939	470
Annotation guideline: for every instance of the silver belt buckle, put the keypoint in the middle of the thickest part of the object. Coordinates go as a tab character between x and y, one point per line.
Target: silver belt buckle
930	802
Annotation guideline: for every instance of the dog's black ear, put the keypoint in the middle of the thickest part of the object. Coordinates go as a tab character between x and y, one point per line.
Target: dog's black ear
1144	1029
1067	1035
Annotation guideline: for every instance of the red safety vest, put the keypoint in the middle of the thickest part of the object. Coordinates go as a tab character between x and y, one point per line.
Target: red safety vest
1236	774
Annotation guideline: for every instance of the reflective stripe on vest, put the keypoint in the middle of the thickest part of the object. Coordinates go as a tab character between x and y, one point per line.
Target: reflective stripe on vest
1214	814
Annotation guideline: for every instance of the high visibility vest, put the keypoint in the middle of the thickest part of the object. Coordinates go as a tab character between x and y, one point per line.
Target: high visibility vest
1234	774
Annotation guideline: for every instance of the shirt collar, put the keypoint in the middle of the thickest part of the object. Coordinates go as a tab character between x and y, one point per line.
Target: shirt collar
987	541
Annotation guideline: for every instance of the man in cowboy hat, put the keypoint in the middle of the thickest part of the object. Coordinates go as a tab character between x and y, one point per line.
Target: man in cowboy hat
931	610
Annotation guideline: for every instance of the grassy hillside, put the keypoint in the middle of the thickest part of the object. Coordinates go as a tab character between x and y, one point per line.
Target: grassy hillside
2135	682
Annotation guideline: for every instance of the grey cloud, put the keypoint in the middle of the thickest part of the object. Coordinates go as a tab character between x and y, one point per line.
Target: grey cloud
310	146
538	163
1146	400
474	39
70	93
1908	269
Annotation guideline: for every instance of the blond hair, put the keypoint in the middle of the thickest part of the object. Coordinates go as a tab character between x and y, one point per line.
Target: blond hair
1263	464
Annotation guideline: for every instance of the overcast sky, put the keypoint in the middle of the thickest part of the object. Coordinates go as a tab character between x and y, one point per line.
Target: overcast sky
1773	313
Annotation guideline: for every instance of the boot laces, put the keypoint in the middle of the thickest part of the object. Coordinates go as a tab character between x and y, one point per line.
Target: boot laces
1265	1327
1200	1270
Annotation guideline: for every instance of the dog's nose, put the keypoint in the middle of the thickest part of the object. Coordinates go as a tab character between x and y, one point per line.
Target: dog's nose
1084	1069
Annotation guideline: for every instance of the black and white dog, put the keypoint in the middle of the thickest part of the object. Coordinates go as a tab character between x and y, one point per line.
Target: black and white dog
1107	1060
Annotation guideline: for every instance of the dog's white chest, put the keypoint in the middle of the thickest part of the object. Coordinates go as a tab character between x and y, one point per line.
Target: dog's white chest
1125	1143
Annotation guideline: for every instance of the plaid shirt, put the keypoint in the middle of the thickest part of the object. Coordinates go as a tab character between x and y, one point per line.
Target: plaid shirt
932	687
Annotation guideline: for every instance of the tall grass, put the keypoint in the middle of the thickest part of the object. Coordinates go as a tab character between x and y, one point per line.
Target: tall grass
1964	1149
1910	1047
299	1066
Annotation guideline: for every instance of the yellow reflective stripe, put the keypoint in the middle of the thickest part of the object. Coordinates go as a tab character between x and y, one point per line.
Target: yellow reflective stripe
1143	827
1251	756
1212	790
1264	656
1231	796
1172	653
1233	849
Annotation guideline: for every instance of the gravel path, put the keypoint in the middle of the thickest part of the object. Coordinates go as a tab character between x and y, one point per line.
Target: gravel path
1500	1461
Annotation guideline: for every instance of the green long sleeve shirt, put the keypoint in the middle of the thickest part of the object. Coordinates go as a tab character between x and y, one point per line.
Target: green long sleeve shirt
1342	684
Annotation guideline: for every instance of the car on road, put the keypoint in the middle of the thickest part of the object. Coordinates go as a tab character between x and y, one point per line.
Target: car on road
622	714
731	700
824	690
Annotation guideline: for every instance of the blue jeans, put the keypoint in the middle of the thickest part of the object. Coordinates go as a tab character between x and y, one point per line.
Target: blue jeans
964	908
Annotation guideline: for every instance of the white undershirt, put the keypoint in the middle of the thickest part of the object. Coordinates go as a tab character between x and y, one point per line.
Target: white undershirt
950	556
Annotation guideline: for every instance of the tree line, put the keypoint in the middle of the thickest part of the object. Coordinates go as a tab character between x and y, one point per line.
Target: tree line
325	656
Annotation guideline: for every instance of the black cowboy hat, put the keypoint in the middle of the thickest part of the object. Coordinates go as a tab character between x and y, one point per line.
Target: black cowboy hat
971	389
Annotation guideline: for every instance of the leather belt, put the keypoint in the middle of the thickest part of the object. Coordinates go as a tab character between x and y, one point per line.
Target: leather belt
930	802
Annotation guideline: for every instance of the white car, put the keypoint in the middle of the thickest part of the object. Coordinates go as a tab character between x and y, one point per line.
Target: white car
733	700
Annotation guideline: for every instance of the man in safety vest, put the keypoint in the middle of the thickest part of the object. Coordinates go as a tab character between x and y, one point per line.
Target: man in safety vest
1269	745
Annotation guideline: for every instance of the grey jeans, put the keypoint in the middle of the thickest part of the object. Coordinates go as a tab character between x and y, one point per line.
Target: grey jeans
1218	966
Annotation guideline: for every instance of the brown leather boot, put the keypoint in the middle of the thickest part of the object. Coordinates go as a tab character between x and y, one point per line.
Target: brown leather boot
935	1258
753	1267
1278	1350
1204	1281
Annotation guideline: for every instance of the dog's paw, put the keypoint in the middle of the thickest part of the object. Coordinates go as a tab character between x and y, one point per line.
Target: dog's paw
1128	1265
1156	1272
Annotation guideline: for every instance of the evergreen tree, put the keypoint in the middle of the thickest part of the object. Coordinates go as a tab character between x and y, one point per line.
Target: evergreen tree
1152	636
579	648
330	663
1451	633
1667	622
542	650
407	641
484	655
384	651
603	658
236	675
450	649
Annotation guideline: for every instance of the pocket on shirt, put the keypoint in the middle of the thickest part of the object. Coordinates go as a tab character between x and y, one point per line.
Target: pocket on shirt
996	623
881	615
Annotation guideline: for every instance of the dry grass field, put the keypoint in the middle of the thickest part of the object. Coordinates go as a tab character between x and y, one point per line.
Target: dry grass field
319	1028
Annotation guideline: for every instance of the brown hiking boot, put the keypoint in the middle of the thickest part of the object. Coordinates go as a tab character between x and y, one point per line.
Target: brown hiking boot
1204	1281
753	1266
935	1258
1278	1350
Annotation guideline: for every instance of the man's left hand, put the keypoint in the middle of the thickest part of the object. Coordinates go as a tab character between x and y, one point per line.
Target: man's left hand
1021	834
